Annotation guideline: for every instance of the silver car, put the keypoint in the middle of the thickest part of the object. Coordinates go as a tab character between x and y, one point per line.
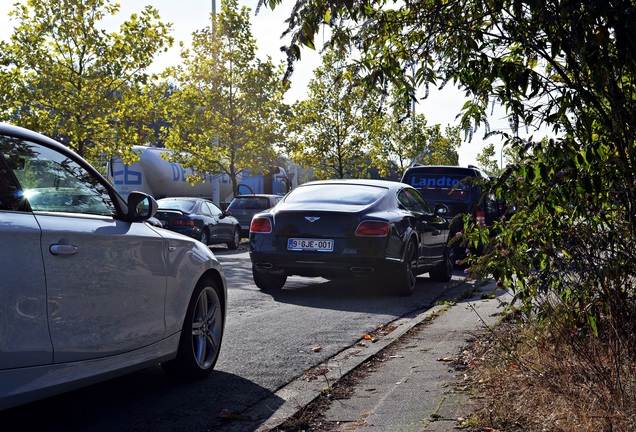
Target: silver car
90	290
243	207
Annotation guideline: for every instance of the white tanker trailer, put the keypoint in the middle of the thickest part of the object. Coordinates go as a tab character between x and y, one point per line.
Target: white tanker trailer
161	178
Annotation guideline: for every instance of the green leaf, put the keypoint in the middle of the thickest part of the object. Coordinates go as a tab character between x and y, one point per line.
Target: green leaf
592	322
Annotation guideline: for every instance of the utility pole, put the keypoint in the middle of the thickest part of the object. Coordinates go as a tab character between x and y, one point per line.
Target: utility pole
213	15
413	100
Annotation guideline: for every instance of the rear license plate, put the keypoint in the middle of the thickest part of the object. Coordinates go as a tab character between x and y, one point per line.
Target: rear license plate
318	245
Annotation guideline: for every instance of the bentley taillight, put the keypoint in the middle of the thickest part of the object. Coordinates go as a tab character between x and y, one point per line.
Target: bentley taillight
261	225
372	229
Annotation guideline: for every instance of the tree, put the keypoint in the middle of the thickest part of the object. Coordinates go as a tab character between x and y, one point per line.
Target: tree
63	76
343	128
398	142
401	138
331	128
487	160
442	148
227	115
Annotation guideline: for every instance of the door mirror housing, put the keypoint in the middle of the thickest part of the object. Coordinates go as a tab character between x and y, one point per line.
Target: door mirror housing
441	210
141	207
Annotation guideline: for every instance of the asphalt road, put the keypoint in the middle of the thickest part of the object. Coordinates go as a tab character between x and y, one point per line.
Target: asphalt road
270	340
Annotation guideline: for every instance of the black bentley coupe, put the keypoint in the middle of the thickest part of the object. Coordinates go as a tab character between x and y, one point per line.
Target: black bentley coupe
379	229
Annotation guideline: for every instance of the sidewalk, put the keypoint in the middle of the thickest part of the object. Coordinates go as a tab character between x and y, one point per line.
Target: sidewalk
412	390
415	389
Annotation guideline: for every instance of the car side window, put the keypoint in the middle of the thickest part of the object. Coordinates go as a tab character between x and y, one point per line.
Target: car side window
419	199
404	200
52	182
205	210
214	210
413	201
408	202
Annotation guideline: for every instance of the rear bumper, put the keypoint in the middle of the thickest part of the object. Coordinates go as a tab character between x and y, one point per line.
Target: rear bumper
323	264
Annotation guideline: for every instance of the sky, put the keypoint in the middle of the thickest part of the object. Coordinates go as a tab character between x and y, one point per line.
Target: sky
187	16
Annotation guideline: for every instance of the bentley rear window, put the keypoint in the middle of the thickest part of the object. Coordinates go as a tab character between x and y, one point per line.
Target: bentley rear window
336	193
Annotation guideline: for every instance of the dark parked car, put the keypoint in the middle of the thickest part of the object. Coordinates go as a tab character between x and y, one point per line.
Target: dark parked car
200	219
243	207
88	289
453	186
378	229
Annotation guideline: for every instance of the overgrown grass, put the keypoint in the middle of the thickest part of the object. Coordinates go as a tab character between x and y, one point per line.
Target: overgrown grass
542	377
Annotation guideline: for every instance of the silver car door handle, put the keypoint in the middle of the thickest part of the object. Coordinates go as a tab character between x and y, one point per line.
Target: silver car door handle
437	232
63	249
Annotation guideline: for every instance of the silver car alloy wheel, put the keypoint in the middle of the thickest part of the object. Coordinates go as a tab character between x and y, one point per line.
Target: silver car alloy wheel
207	327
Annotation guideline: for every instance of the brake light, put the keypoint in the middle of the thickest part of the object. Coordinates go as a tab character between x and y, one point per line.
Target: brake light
481	217
261	225
372	229
182	222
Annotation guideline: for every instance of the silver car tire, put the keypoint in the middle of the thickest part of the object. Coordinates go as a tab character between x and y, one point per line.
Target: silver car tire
201	335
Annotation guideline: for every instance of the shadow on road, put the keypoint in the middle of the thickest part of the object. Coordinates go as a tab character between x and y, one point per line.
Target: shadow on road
147	400
346	294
